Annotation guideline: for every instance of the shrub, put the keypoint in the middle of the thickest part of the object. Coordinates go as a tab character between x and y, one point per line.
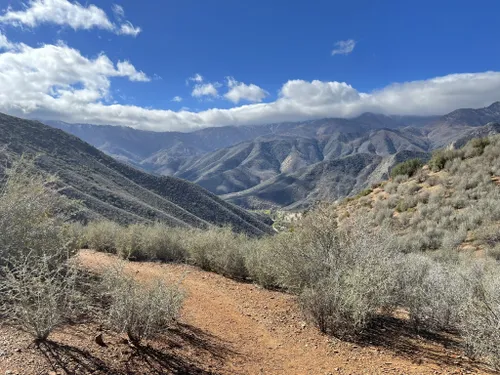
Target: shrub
441	157
433	293
433	180
407	168
360	283
407	203
391	187
364	193
101	236
454	238
32	214
423	197
260	262
164	243
475	147
409	188
37	284
400	178
140	311
494	252
488	234
128	243
342	274
480	326
219	250
39	294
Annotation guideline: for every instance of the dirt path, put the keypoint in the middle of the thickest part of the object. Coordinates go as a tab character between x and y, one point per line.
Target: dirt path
265	333
228	327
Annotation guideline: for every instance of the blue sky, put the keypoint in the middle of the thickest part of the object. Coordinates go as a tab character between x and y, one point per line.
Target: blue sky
255	62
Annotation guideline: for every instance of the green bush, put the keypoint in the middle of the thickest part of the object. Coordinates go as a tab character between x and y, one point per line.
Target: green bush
441	157
407	168
364	193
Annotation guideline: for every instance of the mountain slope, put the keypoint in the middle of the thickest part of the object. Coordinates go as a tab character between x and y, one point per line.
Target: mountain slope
461	122
241	167
327	180
117	191
166	152
243	163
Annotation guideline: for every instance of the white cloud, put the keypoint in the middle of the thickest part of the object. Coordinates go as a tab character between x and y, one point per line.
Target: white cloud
205	89
4	42
201	89
118	11
240	91
66	13
128	29
177	99
56	78
57	82
197	78
344	47
126	69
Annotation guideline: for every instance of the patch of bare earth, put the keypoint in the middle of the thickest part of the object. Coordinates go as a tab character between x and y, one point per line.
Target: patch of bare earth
228	327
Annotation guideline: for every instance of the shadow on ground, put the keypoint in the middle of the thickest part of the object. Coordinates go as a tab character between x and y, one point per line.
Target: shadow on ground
400	337
184	350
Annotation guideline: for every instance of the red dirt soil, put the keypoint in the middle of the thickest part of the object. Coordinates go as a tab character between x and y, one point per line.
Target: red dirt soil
227	327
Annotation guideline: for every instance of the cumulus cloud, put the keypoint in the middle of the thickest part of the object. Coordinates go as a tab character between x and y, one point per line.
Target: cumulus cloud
66	13
197	78
205	89
58	82
240	91
50	78
177	99
126	69
344	47
4	42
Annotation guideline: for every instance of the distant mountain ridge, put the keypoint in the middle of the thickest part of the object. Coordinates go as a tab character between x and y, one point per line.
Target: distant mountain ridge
113	190
306	160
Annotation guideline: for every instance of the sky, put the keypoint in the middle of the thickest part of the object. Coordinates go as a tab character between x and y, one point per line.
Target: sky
188	64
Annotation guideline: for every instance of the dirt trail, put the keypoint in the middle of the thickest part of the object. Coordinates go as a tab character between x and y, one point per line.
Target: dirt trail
227	327
264	332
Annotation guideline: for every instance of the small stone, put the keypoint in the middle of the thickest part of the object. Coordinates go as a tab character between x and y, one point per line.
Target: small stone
99	340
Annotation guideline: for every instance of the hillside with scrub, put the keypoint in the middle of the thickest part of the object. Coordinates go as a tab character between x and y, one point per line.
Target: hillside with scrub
404	276
111	190
451	203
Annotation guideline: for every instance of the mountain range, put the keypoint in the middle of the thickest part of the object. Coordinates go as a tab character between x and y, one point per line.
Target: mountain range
288	165
116	191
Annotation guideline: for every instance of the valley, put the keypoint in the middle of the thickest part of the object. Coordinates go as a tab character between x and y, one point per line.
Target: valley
289	165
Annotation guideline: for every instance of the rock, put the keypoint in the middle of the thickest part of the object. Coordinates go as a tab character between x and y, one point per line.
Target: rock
99	340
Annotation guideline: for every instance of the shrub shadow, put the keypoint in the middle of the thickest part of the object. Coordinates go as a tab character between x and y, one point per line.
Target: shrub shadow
73	360
162	356
419	346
